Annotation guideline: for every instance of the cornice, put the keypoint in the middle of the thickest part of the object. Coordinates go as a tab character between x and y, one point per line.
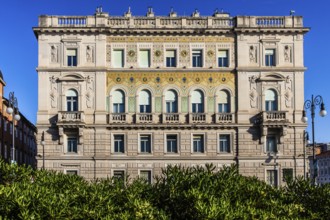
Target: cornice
271	69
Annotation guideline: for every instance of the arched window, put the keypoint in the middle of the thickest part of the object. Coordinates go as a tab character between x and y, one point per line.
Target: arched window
224	102
145	101
270	100
197	100
71	100
171	99
118	101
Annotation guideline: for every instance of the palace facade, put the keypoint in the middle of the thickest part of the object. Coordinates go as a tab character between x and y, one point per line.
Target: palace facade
131	95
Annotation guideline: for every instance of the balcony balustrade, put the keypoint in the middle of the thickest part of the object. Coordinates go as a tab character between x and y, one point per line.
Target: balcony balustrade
273	116
144	118
171	118
197	118
68	116
224	118
118	118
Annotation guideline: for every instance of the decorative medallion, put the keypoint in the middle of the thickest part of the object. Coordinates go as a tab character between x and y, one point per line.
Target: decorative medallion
118	79
197	79
223	79
158	53
171	79
131	53
210	53
145	79
184	53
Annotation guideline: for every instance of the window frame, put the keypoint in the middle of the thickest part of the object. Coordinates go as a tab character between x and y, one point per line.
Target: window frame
119	170
150	177
140	57
67	57
151	144
166	143
196	63
197	152
218	58
67	144
271	105
229	140
122	57
118	105
74	101
113	149
69	170
175	59
268	180
196	106
267	150
270	60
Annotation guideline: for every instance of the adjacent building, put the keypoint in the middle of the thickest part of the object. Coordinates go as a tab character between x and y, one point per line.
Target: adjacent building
130	95
24	135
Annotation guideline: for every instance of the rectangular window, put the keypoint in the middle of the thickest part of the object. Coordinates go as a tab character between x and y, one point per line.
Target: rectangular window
197	108
271	144
224	143
197	58
223	58
170	58
118	58
223	107
272	177
145	108
72	103
146	175
71	172
144	58
72	57
198	143
145	143
271	105
119	175
287	174
119	143
118	107
270	57
72	145
172	143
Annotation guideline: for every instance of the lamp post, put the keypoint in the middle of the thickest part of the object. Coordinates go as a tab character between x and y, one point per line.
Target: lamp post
12	109
43	149
306	142
311	104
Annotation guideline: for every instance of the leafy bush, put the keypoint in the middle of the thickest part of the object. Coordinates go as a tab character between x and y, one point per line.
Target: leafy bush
179	193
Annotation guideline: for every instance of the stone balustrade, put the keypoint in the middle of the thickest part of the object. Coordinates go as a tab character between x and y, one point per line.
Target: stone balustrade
68	116
104	20
273	116
171	118
224	117
118	118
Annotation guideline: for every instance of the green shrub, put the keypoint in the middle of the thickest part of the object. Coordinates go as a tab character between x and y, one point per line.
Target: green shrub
179	193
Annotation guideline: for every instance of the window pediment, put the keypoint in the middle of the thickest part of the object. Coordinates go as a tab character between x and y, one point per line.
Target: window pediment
72	77
272	77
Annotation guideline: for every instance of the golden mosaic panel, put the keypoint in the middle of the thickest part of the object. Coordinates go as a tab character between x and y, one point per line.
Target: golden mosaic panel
188	39
159	80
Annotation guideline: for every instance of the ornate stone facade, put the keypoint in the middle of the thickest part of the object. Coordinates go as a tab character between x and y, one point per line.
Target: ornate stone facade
131	95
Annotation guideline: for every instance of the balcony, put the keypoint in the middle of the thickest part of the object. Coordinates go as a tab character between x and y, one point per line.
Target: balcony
117	118
70	117
196	118
224	118
171	118
273	117
144	118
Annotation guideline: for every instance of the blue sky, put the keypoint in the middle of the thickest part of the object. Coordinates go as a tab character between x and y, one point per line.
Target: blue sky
18	46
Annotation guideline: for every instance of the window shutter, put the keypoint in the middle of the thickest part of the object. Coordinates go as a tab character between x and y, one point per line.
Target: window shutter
118	58
270	95
144	98
118	97
71	52
223	97
222	53
170	53
71	92
144	58
170	96
197	97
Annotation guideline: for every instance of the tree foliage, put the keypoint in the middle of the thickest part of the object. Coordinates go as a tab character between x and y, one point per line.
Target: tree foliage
179	193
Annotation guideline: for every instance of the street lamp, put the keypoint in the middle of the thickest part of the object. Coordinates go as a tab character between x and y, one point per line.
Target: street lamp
12	109
43	149
311	104
306	142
